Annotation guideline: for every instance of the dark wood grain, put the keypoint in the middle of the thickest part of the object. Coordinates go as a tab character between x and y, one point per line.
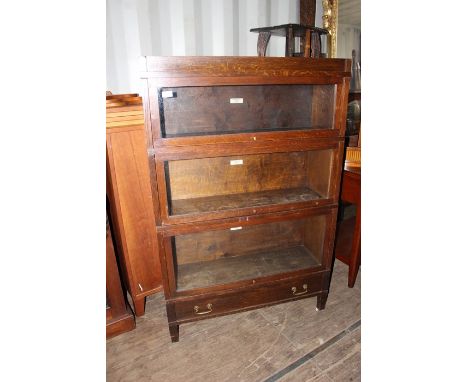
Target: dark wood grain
255	146
235	237
248	298
202	67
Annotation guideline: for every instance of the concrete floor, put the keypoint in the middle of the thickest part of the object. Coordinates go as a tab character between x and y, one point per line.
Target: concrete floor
285	342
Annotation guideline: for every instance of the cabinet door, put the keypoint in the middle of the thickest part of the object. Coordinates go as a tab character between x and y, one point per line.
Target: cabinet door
217	110
246	251
196	189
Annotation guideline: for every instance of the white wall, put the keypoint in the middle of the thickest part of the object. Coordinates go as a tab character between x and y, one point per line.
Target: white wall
187	28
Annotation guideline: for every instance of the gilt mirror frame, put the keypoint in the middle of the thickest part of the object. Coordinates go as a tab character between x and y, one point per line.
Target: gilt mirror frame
330	23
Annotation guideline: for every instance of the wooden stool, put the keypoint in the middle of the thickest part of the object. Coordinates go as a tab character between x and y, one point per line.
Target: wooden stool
311	45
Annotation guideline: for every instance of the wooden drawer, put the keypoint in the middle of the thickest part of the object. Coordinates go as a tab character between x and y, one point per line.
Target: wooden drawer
249	298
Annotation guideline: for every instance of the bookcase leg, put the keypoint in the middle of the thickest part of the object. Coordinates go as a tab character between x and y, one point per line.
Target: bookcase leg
139	305
322	300
174	331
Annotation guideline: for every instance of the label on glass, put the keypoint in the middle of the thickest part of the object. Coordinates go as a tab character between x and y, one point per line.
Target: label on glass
167	94
235	228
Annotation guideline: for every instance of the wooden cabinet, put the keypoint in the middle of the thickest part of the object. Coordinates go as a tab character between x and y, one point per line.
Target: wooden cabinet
130	198
119	318
246	156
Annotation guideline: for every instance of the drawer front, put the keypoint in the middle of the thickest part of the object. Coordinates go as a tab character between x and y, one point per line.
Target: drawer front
231	302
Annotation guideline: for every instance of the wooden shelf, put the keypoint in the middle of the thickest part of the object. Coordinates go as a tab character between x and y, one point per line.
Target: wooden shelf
251	131
249	199
231	269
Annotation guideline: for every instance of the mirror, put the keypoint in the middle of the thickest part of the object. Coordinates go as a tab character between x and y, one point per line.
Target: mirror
342	19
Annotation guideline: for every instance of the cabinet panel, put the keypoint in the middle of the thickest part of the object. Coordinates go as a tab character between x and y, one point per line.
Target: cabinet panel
215	110
131	204
217	184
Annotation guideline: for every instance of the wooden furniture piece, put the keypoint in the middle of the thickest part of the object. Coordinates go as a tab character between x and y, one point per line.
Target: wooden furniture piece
246	155
119	318
129	192
348	235
311	45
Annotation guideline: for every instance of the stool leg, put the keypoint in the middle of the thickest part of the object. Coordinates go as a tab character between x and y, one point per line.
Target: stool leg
307	44
262	43
289	51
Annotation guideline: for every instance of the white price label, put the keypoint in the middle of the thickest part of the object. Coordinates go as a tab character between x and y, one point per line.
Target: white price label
235	162
167	94
236	100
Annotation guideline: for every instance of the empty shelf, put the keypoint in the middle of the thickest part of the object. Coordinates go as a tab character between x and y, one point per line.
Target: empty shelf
249	199
231	269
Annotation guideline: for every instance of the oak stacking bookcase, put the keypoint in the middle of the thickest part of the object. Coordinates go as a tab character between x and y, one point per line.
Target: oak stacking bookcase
245	158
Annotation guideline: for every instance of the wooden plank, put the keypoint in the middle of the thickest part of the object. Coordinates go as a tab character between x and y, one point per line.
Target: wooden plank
121	109
242	66
125	123
111	118
116	113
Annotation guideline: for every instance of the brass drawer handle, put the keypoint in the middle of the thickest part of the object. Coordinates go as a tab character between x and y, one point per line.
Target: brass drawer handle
196	309
294	290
